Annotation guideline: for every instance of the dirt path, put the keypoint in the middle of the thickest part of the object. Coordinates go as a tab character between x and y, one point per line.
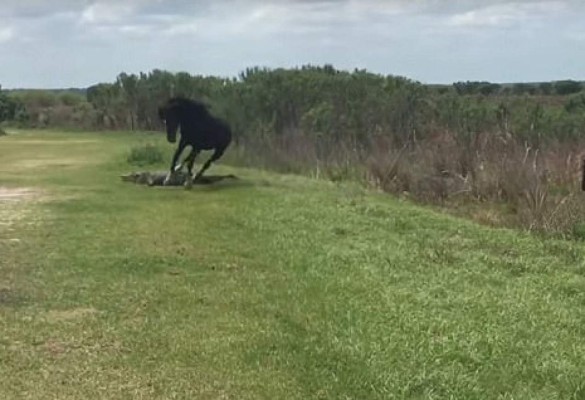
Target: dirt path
14	209
16	194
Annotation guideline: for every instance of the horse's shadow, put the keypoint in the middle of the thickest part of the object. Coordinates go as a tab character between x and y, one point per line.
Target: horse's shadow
212	179
177	179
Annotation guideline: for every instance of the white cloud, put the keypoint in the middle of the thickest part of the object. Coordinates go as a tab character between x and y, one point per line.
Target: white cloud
138	31
185	28
100	13
506	14
577	36
428	40
6	34
388	8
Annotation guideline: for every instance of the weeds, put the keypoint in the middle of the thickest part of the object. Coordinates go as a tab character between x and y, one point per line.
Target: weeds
538	186
286	289
143	155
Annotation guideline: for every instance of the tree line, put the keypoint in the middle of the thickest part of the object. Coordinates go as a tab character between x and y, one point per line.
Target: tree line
514	144
316	101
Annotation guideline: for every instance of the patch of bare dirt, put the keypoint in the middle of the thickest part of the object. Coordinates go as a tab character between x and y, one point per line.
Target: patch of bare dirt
15	211
17	194
57	142
9	297
70	315
49	162
55	348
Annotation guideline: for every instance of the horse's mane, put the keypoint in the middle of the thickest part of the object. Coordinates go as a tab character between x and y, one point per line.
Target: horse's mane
192	107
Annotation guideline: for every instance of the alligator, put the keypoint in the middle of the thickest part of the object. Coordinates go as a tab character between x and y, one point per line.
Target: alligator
177	179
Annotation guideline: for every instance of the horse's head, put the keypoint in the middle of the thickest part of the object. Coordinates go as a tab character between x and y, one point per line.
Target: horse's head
170	116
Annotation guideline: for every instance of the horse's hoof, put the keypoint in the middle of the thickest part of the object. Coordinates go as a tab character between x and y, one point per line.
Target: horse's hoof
167	180
188	183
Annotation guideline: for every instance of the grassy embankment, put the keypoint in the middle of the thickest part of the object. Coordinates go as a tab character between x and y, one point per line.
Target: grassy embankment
270	287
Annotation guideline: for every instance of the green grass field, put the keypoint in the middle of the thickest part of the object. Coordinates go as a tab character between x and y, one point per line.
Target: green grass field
271	287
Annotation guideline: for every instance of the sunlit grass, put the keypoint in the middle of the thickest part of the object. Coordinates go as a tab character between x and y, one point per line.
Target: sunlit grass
269	287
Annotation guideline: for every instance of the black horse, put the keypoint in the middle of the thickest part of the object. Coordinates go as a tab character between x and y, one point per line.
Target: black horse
199	129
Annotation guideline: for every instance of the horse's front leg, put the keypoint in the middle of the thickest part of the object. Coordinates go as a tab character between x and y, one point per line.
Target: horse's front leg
188	161
180	149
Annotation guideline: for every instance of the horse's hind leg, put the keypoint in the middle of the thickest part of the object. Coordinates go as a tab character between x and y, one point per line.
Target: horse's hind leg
190	160
214	157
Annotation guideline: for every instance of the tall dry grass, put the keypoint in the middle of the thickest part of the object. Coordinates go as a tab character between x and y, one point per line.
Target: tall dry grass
533	188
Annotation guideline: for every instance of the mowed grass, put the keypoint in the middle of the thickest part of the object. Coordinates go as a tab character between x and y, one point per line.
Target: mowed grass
270	287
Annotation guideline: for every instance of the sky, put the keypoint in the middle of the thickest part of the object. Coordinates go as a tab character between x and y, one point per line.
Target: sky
77	43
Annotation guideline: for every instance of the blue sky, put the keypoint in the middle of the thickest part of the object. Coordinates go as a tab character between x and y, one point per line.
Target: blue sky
76	43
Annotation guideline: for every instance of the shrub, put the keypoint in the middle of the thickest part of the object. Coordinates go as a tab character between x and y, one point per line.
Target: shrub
145	155
579	231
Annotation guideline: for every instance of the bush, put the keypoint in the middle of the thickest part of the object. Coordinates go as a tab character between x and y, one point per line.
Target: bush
579	231
145	155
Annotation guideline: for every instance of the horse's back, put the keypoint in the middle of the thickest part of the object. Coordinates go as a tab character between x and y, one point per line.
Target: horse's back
214	133
200	128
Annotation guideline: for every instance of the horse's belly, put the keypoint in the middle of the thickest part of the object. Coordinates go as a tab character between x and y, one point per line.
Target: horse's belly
206	142
204	145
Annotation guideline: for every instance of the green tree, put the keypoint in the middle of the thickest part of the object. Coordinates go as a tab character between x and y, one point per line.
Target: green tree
129	90
546	88
567	87
8	107
106	98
